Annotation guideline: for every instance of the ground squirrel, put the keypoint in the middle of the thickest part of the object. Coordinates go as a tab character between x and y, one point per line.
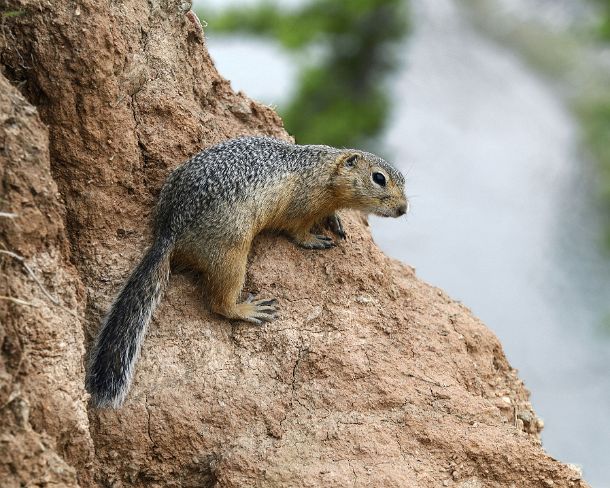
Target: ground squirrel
209	211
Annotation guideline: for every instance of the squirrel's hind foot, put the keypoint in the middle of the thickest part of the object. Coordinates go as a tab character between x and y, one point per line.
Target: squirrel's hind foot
256	311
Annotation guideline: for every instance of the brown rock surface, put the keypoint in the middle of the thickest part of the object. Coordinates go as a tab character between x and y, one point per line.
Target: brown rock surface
368	378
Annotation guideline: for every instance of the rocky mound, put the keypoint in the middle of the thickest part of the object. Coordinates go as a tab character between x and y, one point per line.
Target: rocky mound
370	377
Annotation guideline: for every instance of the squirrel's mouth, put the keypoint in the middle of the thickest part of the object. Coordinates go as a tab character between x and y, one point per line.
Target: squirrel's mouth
394	212
385	213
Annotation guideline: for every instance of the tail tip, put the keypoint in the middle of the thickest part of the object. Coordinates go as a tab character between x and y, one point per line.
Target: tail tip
105	399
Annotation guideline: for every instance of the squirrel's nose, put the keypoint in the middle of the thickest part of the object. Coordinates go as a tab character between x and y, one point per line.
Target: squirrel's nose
402	209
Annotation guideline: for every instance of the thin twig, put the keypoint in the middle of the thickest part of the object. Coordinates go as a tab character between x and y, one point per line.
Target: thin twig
21	259
18	301
8	215
15	393
54	300
427	380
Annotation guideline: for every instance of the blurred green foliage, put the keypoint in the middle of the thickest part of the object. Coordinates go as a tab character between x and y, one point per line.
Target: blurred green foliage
346	49
594	115
605	22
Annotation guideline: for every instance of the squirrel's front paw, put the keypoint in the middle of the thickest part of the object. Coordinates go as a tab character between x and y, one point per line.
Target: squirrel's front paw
333	224
314	241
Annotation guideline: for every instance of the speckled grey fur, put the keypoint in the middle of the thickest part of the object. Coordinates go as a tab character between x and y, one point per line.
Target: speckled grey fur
217	194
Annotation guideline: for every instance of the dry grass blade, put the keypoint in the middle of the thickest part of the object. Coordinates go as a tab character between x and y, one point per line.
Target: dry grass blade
21	259
18	301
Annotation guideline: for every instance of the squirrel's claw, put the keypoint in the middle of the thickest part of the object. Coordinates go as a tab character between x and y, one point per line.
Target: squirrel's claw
259	311
333	223
317	242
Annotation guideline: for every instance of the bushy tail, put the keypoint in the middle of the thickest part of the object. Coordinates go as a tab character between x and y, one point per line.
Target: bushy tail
117	346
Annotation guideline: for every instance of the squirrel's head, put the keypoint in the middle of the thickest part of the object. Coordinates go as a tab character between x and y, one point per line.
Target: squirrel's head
368	183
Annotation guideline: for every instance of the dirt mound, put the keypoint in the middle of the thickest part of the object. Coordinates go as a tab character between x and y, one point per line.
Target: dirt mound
368	378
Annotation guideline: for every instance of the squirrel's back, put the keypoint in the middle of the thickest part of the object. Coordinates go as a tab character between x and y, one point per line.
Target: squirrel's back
234	172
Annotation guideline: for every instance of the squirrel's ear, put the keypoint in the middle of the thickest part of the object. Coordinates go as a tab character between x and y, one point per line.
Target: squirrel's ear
351	160
346	162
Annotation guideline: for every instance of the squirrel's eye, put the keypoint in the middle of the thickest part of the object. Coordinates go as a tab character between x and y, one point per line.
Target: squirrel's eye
379	179
351	161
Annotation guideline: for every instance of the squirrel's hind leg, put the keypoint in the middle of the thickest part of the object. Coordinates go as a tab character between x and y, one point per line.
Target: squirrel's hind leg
227	276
